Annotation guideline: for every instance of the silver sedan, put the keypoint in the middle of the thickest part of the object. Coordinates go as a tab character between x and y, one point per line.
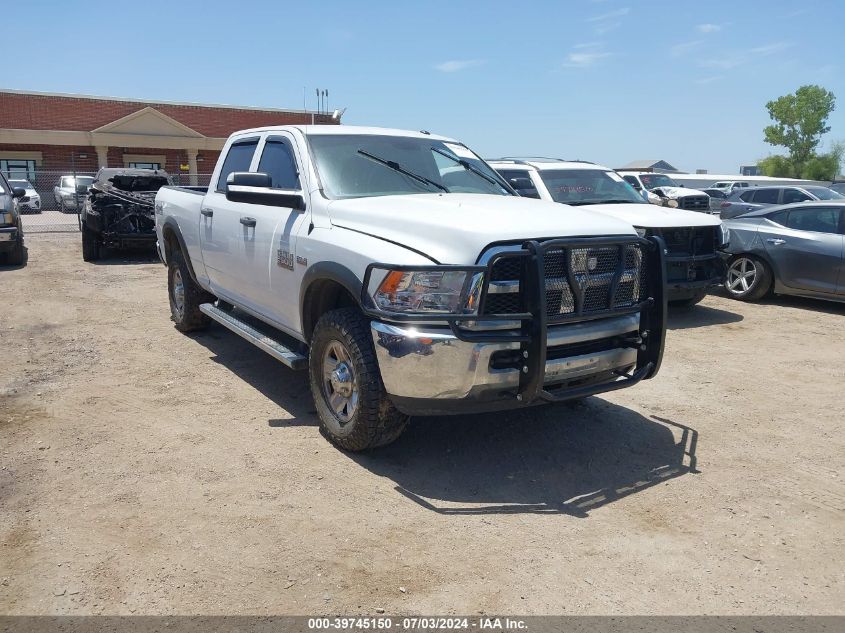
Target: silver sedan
796	249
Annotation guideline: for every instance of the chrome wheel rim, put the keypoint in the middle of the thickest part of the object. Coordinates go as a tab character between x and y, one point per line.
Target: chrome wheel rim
340	384
178	293
742	274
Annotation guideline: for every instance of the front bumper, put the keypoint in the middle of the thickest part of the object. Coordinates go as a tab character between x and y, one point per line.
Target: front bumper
441	370
427	370
685	276
9	238
30	205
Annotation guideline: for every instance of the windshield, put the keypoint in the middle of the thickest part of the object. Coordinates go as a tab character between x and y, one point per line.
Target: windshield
588	186
650	181
361	166
823	193
25	184
83	181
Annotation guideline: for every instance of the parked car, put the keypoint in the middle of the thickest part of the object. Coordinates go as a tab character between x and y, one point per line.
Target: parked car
692	239
716	197
30	202
119	210
11	230
71	192
661	190
729	186
794	249
408	277
741	202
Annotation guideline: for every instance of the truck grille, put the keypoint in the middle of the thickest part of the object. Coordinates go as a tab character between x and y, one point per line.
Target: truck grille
689	241
596	273
695	203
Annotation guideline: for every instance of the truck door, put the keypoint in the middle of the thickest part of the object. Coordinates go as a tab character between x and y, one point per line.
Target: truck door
269	260
806	248
222	230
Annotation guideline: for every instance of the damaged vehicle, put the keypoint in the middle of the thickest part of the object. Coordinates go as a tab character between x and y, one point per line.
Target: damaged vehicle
119	210
661	190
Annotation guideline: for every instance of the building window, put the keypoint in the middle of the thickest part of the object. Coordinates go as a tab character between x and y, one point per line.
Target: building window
18	169
145	165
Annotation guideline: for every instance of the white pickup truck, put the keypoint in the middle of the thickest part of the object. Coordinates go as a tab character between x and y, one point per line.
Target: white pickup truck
408	277
693	240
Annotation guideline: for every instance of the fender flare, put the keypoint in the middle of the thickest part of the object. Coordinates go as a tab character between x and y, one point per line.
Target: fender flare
171	225
328	271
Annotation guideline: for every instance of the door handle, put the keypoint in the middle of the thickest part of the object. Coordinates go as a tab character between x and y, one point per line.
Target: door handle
248	221
775	241
207	212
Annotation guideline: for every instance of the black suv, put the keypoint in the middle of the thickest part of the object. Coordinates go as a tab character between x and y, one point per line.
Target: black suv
119	210
11	230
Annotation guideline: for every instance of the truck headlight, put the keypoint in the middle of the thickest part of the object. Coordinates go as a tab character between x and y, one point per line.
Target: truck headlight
447	290
671	202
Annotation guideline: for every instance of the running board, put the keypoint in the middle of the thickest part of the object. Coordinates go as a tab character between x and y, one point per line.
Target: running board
254	336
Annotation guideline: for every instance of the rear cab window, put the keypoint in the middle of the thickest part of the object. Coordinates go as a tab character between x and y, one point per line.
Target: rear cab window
239	158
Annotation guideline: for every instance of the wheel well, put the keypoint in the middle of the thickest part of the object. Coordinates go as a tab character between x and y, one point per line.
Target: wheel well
171	242
322	296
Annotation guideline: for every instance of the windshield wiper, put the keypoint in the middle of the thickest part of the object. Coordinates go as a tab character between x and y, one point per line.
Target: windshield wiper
469	167
392	164
577	203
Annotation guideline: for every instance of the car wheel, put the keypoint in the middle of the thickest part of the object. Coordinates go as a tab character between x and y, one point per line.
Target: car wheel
748	278
185	296
18	255
690	301
90	245
354	409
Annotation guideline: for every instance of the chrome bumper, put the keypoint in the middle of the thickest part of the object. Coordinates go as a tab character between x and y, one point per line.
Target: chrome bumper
429	363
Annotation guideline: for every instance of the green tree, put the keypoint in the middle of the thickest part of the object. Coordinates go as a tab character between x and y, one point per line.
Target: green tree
800	120
776	167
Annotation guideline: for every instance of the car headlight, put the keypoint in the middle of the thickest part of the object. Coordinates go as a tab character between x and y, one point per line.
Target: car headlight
5	218
641	231
434	290
672	202
726	236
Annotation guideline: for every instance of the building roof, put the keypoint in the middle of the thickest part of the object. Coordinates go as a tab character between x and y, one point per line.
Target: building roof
649	165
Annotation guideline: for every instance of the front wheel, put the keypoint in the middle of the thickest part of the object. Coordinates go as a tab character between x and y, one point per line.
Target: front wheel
748	278
354	410
90	245
16	257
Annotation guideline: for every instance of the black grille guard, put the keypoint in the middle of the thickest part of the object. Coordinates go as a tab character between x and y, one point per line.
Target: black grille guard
532	332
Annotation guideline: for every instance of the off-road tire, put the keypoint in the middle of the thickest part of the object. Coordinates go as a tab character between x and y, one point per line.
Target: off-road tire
690	301
189	319
91	250
762	284
375	422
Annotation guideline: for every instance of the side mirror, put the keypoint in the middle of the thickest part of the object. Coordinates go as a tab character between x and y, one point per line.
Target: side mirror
256	188
18	192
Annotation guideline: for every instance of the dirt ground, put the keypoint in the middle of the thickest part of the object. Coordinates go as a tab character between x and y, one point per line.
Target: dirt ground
149	472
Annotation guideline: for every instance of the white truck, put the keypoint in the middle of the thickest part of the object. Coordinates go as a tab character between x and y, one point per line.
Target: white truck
408	277
693	240
661	190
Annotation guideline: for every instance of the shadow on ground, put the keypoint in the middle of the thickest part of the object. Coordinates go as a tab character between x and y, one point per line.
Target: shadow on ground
699	316
565	459
113	257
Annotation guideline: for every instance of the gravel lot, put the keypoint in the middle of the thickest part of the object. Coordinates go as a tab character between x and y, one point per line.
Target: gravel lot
149	472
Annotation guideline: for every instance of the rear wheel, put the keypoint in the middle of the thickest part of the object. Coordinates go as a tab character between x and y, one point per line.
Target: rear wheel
354	410
689	301
185	296
748	278
90	245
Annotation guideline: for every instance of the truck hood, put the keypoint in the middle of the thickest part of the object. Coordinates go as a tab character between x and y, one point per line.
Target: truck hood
455	228
652	216
679	192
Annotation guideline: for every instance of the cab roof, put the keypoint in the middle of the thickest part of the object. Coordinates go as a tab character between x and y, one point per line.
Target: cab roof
544	164
317	130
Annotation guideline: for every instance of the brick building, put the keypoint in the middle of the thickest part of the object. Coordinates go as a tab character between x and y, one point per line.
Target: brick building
62	132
